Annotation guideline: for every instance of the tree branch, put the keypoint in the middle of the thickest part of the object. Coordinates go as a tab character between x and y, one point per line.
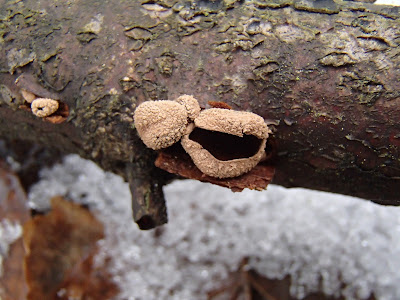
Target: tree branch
325	76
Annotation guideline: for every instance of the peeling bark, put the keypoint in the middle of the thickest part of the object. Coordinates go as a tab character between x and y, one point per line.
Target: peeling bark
324	74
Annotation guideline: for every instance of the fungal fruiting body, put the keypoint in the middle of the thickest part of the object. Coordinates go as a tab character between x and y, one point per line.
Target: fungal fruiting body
226	143
160	124
44	107
191	105
42	102
28	96
222	143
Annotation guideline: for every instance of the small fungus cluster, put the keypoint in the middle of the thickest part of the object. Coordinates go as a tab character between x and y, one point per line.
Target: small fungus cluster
41	107
41	102
44	107
222	143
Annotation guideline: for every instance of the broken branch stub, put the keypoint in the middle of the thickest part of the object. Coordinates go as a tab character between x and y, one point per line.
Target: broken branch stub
148	204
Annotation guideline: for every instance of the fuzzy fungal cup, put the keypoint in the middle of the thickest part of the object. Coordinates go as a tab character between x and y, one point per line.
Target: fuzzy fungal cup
226	143
222	143
44	107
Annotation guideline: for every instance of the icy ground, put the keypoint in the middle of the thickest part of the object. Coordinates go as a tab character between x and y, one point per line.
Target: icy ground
310	235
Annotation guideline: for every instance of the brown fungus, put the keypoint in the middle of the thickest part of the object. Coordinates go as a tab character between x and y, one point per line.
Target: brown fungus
60	115
175	161
225	143
191	105
28	96
222	143
233	122
44	107
160	124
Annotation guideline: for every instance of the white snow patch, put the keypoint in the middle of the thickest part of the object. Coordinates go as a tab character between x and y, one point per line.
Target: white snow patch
317	238
388	2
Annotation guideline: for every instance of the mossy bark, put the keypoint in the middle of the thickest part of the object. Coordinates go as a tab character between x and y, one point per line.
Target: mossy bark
324	74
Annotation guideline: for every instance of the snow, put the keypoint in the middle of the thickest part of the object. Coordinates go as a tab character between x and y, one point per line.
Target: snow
310	235
388	2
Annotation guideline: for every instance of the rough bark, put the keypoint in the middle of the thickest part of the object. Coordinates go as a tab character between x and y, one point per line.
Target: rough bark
324	74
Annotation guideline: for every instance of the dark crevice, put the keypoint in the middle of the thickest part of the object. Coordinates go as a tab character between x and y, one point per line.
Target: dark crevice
224	146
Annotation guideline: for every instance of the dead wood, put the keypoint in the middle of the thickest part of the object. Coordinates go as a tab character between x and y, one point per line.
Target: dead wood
325	76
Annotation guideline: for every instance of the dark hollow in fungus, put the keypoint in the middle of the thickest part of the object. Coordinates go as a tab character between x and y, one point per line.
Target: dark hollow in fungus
224	146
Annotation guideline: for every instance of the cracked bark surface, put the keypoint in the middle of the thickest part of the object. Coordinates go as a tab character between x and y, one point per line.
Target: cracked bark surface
325	76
